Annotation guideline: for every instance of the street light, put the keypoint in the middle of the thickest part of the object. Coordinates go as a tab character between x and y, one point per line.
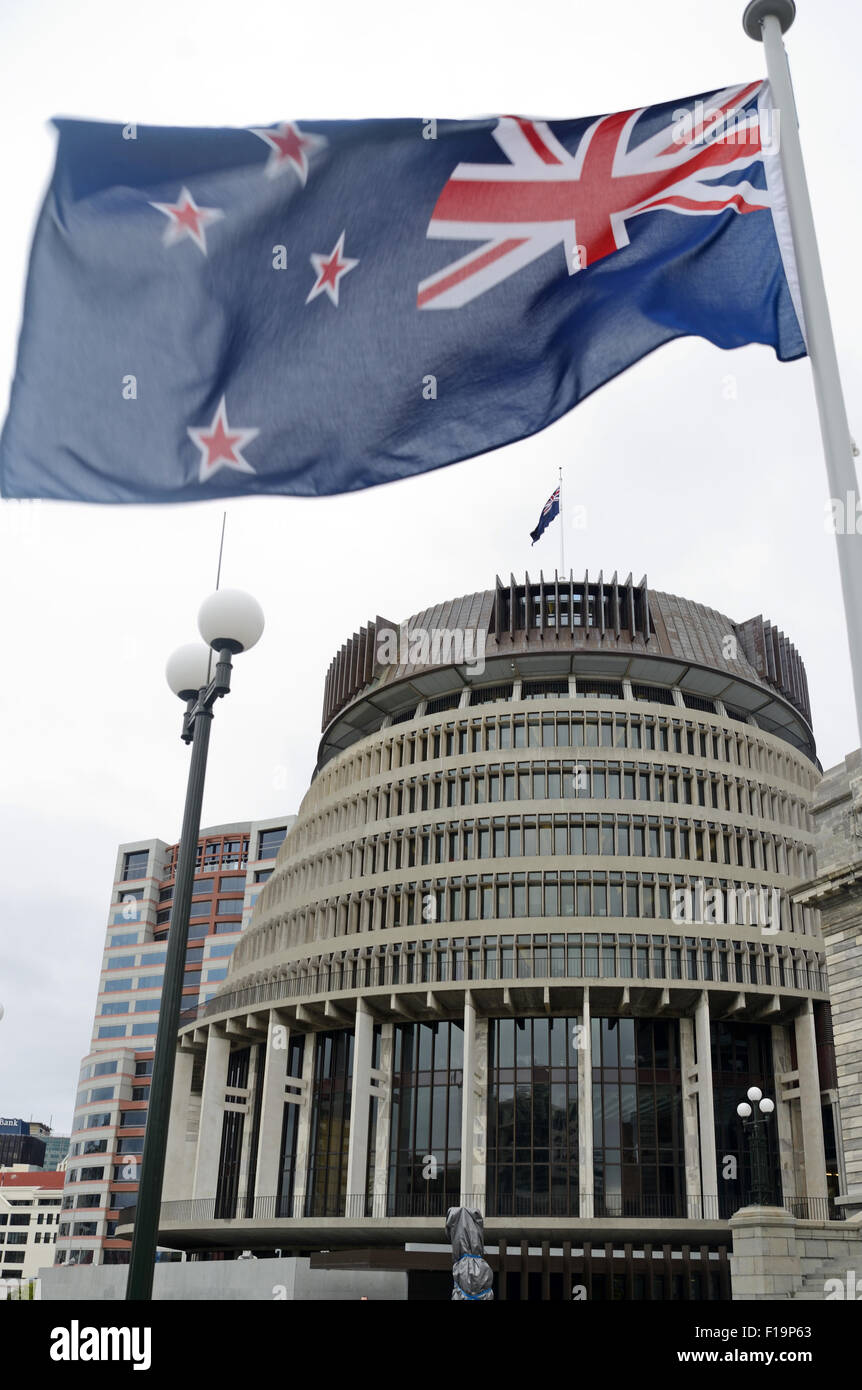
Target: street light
755	1129
229	622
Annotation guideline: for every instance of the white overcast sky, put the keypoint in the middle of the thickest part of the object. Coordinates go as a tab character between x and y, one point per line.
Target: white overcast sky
700	468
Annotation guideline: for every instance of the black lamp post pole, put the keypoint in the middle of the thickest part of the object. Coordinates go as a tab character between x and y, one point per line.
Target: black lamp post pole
759	1194
755	1130
197	722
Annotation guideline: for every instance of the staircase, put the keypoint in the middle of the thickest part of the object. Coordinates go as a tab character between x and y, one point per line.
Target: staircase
841	1264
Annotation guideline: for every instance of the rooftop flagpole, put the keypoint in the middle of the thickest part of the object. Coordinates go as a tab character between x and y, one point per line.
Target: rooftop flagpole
766	21
562	529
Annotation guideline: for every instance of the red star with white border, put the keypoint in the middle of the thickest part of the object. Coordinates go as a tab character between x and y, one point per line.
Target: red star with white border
186	219
329	270
289	149
221	446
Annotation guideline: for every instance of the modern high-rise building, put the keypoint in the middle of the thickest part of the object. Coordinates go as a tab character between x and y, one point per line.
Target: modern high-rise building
32	1144
56	1150
529	943
107	1140
22	1142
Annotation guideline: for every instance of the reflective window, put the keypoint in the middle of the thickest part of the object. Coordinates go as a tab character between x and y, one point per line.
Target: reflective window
741	1057
331	1093
290	1128
135	864
425	1135
638	1146
532	1117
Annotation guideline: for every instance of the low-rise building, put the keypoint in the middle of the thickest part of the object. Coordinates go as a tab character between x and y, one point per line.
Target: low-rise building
29	1220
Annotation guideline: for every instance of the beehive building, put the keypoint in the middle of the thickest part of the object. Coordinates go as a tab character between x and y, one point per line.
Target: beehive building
529	942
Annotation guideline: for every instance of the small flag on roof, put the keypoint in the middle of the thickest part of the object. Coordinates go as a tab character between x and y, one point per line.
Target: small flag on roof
549	511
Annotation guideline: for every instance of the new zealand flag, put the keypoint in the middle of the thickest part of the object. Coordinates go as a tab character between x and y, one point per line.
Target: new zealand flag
549	511
317	307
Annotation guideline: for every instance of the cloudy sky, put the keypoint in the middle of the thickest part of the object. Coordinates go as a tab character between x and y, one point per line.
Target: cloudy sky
700	468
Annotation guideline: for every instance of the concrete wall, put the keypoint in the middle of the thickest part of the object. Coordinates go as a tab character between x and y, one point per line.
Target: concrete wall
288	1279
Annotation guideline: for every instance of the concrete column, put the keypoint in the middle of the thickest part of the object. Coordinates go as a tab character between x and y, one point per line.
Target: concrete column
180	1155
705	1102
474	1105
809	1099
274	1062
765	1263
384	1118
694	1204
212	1114
360	1099
255	1061
585	1110
783	1110
303	1133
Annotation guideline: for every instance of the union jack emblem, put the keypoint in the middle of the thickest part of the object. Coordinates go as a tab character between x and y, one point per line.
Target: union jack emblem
554	497
545	196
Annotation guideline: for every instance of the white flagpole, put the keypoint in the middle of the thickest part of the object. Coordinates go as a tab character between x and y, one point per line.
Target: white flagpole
766	21
562	533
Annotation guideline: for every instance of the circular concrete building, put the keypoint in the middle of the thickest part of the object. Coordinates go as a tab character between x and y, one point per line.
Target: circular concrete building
529	942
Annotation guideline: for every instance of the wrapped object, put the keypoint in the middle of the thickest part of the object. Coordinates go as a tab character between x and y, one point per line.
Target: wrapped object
472	1277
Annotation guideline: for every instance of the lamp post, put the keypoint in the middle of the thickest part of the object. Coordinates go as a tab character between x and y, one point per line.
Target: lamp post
755	1128
229	622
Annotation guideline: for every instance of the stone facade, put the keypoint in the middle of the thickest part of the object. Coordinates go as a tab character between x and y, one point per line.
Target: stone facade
778	1257
837	893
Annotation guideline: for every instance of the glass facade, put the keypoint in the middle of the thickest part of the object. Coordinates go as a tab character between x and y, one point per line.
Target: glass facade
231	1140
425	1135
638	1146
330	1130
532	1161
290	1130
741	1057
